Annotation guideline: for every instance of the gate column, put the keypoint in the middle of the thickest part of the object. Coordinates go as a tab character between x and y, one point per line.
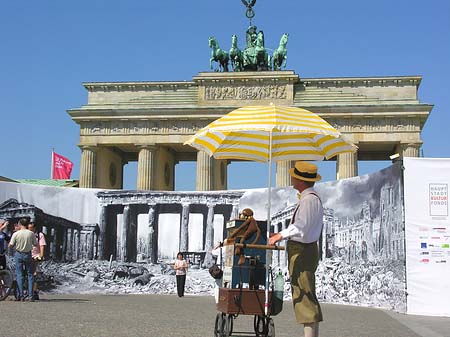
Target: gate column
410	150
88	167
204	172
146	165
283	179
347	165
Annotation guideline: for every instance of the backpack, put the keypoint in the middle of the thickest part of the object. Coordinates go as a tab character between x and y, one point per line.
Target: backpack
215	272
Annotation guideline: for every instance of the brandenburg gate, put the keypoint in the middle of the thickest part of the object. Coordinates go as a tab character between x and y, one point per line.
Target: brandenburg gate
148	122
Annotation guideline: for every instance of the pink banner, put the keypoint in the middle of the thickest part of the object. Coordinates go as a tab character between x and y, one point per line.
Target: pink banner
62	167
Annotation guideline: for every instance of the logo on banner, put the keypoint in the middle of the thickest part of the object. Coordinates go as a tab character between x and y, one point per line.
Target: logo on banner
438	199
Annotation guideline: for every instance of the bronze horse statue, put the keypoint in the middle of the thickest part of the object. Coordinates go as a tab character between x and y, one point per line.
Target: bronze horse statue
218	55
280	54
236	56
262	56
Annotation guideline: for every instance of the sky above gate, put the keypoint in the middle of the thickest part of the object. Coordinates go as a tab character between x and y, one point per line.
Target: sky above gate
49	48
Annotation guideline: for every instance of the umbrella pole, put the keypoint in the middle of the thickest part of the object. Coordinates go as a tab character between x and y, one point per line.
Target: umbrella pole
269	220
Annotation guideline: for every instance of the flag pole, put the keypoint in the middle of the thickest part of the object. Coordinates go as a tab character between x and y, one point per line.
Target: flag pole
51	168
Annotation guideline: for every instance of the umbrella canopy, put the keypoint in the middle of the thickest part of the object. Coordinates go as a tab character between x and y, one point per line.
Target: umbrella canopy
266	133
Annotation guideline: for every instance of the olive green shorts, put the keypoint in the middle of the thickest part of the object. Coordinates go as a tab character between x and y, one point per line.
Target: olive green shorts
303	261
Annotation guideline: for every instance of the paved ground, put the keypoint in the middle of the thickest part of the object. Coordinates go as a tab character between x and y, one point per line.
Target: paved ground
170	316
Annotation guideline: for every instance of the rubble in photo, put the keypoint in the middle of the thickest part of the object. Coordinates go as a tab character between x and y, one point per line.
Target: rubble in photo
367	284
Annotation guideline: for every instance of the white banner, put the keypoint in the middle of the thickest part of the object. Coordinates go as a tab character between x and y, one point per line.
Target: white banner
426	186
75	204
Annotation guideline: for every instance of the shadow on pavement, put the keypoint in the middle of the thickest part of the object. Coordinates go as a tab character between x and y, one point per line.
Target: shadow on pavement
54	300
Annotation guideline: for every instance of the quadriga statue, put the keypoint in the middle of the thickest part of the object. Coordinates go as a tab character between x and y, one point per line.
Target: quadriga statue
254	57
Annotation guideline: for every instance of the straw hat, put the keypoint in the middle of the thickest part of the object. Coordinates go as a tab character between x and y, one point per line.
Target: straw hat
305	171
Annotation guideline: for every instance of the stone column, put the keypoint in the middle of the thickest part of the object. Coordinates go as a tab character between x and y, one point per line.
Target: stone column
76	244
184	228
234	212
283	179
102	235
82	245
90	245
151	233
125	226
155	235
146	165
93	250
94	245
410	150
88	167
209	237
132	234
69	245
347	165
52	243
87	246
64	245
205	177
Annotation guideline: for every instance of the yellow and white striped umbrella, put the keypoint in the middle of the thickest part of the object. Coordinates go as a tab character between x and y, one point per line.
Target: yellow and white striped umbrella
270	133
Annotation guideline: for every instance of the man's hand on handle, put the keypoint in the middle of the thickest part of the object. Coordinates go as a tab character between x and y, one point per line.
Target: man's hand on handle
274	238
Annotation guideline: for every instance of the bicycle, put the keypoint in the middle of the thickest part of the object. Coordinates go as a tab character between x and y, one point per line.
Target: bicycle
6	283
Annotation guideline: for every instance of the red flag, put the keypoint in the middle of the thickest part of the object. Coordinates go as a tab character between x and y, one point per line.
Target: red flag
62	167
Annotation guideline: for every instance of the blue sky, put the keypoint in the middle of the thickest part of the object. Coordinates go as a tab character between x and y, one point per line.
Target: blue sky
49	48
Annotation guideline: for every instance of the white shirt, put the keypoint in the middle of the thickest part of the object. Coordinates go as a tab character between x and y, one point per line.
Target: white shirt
307	222
24	240
182	264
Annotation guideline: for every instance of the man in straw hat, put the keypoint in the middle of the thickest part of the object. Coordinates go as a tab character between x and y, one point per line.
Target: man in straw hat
303	252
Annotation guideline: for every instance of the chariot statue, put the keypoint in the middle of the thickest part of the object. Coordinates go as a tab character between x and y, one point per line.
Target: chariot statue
255	56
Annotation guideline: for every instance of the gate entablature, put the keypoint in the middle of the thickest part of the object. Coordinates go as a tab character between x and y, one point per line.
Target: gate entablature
148	122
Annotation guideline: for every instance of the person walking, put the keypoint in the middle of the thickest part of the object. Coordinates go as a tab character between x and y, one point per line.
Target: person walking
23	240
181	267
302	247
37	255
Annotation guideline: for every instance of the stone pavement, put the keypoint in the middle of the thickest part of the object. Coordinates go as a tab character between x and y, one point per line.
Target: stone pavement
170	316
